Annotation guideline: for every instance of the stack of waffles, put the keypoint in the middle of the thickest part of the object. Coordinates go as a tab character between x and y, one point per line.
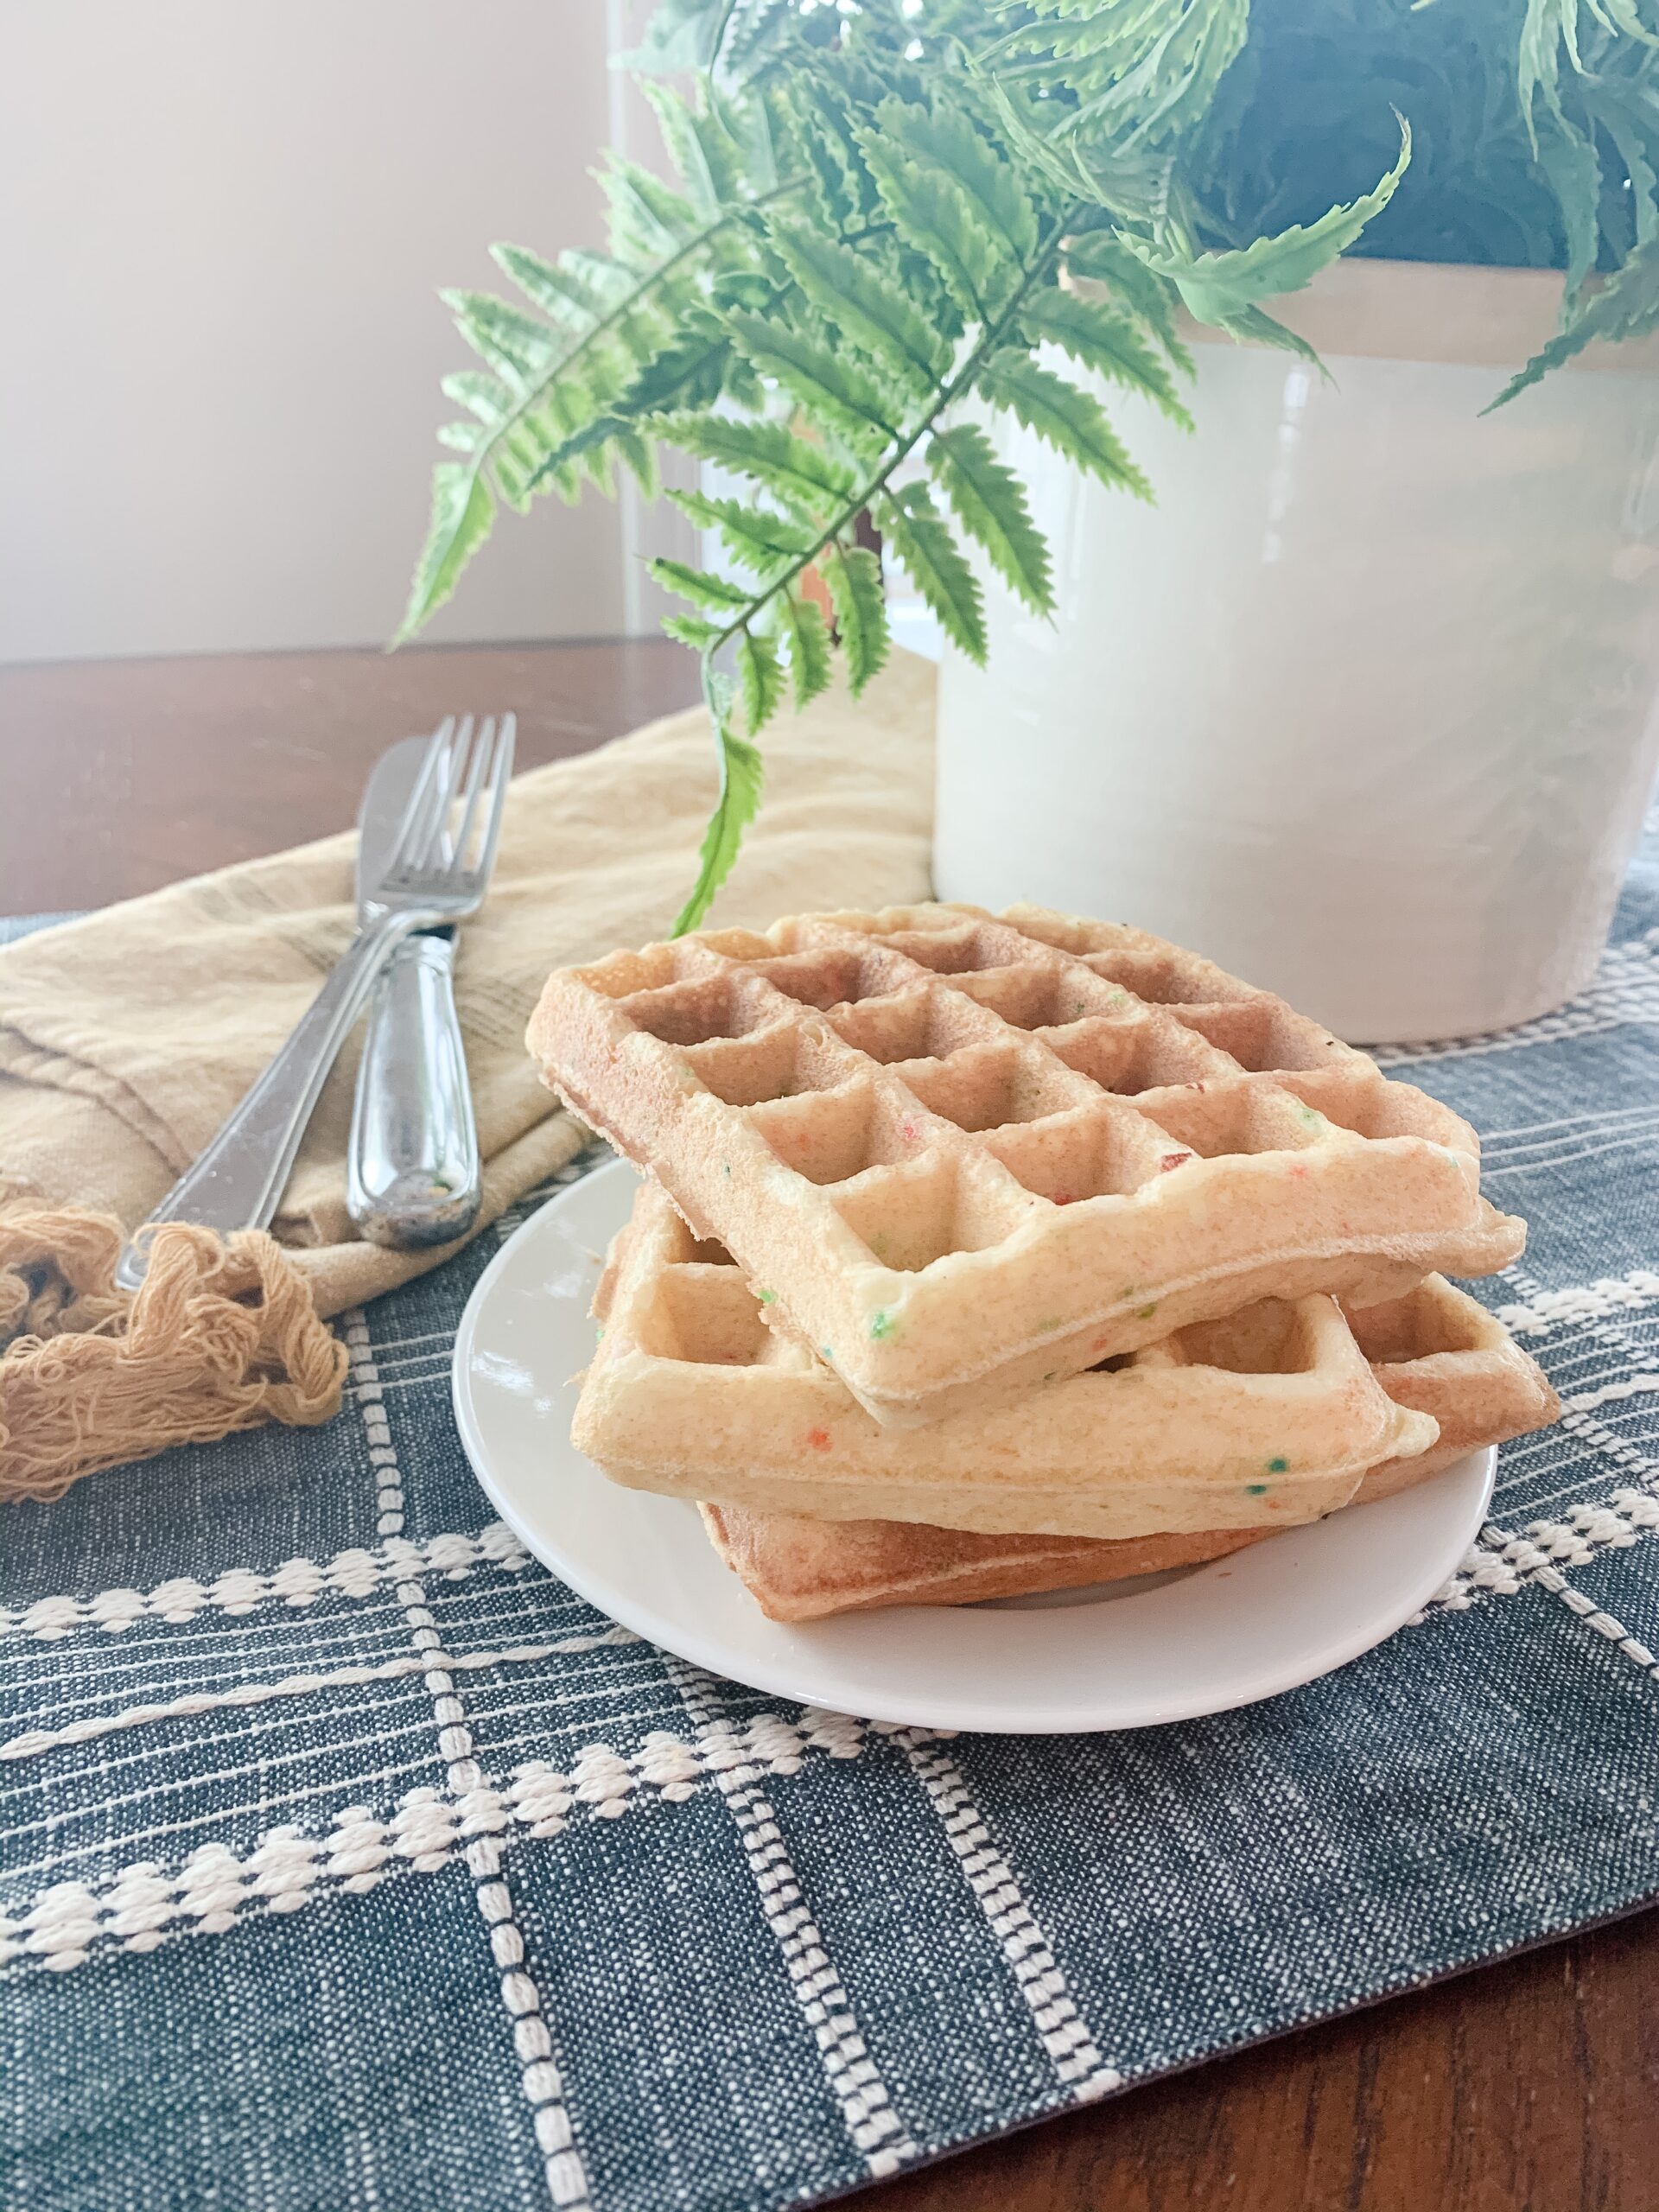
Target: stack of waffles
985	1255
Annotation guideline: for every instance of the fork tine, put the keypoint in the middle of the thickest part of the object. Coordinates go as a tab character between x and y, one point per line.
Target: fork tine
501	770
481	755
435	853
420	798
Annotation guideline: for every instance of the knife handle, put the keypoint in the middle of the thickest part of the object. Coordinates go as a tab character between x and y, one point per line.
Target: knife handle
413	1173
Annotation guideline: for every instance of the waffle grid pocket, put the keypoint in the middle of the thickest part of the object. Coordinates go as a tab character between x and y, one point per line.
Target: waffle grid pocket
965	1151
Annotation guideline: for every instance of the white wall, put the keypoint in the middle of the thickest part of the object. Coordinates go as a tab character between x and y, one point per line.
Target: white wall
222	224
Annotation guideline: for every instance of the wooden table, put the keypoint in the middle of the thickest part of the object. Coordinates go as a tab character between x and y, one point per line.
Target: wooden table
1529	2087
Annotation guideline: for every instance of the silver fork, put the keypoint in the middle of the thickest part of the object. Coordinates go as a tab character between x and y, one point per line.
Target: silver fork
430	879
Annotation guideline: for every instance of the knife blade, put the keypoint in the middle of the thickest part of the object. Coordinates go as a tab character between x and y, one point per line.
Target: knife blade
413	1169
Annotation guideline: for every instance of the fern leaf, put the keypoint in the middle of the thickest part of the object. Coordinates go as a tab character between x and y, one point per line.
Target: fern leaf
759	678
1138	74
942	136
1621	117
1099	339
1256	327
608	281
809	480
1150	299
1626	306
753	535
692	630
1537	61
935	217
799	623
560	294
690	371
1063	418
556	392
462	510
851	291
741	777
991	507
854	575
921	541
701	148
1216	285
823	381
489	397
699	586
1567	157
516	345
648	219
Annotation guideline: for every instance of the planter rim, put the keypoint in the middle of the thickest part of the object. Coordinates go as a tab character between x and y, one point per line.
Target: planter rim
1448	313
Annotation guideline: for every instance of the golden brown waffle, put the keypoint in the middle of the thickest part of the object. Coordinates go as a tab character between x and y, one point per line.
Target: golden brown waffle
1435	1350
1263	1420
966	1155
800	1570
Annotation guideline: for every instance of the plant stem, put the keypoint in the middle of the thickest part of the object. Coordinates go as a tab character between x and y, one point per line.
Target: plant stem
608	322
991	336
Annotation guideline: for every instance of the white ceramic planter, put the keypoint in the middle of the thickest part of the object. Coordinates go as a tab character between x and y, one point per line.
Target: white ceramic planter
1367	708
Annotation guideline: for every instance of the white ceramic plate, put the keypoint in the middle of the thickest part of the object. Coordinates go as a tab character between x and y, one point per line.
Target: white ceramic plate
1124	1656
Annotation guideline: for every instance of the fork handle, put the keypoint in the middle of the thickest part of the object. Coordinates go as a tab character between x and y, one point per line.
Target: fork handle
237	1180
413	1175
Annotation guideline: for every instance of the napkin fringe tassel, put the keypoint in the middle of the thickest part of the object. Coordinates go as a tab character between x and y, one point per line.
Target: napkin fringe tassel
220	1336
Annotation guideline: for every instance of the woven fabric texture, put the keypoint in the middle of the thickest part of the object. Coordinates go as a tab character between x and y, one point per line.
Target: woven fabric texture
351	1862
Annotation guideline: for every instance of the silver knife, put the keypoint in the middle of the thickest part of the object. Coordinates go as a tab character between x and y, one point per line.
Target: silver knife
412	1170
237	1178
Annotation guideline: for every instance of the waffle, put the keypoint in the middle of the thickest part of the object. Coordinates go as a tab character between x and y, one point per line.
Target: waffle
1268	1418
1435	1350
800	1570
966	1155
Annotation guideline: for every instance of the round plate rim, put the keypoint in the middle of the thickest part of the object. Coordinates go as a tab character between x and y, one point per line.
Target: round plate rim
792	1673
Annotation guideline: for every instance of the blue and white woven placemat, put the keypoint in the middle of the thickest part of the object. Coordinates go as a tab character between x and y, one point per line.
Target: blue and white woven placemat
350	1862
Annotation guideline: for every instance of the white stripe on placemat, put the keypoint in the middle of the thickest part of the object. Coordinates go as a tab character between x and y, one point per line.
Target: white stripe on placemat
1071	2049
563	2167
296	1583
849	2072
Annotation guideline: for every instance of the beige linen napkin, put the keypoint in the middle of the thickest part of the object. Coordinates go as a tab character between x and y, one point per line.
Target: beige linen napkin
125	1040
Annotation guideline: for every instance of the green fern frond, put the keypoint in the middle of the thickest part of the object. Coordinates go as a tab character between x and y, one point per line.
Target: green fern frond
988	502
941	136
912	525
700	586
853	292
1149	298
798	623
808	480
713	305
761	539
830	385
515	345
939	216
1217	286
1063	418
707	160
759	678
1626	306
1135	74
742	777
621	342
854	575
462	510
1098	337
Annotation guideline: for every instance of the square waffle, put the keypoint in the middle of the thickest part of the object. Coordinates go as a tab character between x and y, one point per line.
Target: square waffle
966	1155
1435	1350
1276	1415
